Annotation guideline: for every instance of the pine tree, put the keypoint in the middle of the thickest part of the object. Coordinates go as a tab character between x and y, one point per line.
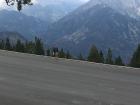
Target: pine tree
7	44
102	60
39	49
109	57
94	55
118	61
2	44
19	46
135	61
61	54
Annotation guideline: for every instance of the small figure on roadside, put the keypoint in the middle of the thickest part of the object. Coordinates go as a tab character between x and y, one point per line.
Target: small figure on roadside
55	52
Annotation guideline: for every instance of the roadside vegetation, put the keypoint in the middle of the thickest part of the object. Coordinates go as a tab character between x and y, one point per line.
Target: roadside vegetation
37	47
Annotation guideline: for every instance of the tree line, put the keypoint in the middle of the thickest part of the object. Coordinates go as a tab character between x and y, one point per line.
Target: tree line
37	47
33	47
97	56
135	61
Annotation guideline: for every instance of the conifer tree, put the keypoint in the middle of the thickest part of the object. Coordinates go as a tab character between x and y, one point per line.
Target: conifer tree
19	46
135	61
94	55
2	44
118	61
109	59
102	60
7	44
39	49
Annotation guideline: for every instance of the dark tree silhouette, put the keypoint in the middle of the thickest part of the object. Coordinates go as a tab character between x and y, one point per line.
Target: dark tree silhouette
135	61
39	48
94	55
102	59
2	44
7	44
119	61
19	47
109	59
19	3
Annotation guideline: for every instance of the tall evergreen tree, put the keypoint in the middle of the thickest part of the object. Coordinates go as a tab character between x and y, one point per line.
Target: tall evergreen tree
39	49
2	44
109	59
102	60
118	61
7	44
19	46
135	61
94	55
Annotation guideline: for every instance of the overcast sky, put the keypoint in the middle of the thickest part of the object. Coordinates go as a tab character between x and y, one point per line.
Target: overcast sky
43	2
46	1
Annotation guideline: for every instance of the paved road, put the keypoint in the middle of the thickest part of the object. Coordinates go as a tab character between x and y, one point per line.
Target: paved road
36	80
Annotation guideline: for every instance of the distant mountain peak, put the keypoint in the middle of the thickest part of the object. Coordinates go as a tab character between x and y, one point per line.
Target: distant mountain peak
105	23
130	7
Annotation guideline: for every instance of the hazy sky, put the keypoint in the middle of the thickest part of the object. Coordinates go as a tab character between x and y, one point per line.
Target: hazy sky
43	2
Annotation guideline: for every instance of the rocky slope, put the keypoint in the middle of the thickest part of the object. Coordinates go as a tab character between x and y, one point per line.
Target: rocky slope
13	36
17	22
97	23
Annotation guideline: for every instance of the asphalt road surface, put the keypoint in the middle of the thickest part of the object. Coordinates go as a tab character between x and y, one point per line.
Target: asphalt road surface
36	80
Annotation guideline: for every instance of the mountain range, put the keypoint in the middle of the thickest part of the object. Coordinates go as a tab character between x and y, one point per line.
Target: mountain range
52	10
33	20
13	37
18	22
100	22
107	24
130	7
